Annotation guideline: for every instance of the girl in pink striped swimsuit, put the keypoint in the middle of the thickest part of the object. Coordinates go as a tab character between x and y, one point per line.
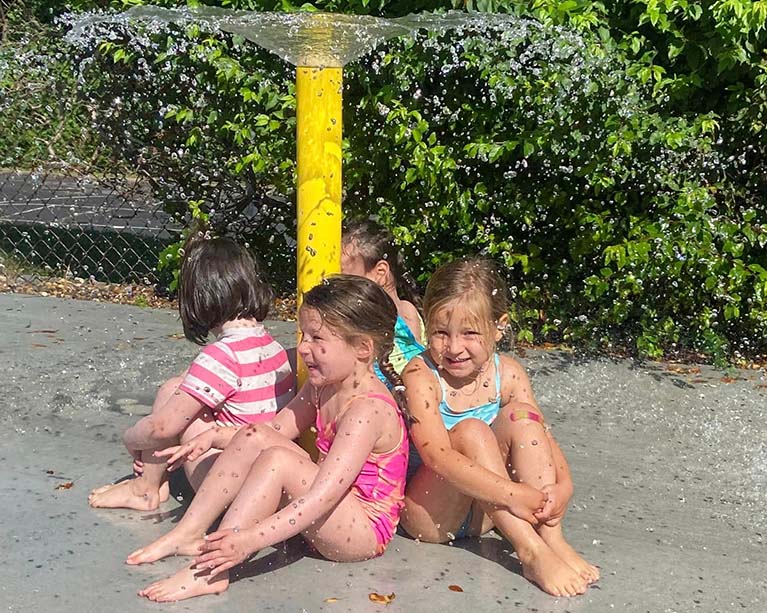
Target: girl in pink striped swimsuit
242	377
347	505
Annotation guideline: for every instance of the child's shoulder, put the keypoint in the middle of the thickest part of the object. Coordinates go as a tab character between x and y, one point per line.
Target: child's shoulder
514	379
420	375
408	310
364	407
248	347
510	367
248	339
418	366
508	361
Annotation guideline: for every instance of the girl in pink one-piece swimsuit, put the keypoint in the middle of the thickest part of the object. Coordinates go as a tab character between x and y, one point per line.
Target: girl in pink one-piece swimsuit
347	505
380	486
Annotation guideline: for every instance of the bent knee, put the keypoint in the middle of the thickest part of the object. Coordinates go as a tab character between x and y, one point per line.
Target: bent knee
470	429
172	384
278	456
167	389
253	434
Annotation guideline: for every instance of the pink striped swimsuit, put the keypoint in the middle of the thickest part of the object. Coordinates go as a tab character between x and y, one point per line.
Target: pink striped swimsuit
380	486
244	377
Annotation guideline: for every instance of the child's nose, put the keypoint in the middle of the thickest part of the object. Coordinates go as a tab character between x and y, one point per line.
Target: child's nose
454	344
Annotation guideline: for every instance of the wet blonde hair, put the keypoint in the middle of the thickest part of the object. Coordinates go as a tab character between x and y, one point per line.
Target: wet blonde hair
476	284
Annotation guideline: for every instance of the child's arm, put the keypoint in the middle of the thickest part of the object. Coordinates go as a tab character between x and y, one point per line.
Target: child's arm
409	313
164	424
435	448
358	430
559	493
298	415
216	437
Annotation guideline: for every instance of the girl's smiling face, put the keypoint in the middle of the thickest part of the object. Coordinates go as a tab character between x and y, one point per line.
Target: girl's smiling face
328	356
458	342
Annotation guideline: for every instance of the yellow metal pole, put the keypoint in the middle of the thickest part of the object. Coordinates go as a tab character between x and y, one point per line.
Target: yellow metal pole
318	119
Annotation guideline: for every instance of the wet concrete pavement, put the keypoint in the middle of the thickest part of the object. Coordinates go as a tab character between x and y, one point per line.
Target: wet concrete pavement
669	463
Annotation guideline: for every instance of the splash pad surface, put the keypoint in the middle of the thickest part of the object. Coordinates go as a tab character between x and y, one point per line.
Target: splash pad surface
669	466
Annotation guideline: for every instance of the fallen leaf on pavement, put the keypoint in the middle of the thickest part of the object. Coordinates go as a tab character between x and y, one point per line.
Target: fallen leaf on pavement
65	486
455	588
381	598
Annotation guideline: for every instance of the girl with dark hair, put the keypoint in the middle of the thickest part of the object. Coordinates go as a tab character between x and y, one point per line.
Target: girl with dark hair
348	504
242	378
368	250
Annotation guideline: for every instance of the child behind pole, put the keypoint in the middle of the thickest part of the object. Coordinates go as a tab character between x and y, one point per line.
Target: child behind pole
368	250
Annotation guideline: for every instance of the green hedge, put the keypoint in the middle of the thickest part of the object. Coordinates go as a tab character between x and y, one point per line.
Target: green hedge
569	148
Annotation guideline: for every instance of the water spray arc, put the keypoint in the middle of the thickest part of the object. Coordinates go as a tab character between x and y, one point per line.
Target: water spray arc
318	44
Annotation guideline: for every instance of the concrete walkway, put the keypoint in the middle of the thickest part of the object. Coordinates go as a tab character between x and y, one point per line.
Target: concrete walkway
670	467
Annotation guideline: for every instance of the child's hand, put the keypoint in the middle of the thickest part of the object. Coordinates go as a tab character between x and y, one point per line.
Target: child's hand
138	465
224	549
527	502
188	452
556	505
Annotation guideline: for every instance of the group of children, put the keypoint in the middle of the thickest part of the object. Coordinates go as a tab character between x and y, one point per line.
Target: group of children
425	426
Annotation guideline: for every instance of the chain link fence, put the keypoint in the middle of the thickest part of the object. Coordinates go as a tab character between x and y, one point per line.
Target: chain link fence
60	220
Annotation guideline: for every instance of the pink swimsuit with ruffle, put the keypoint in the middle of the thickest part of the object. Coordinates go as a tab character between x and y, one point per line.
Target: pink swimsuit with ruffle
380	486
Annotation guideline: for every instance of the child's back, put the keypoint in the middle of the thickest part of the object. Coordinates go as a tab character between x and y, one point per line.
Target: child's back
243	377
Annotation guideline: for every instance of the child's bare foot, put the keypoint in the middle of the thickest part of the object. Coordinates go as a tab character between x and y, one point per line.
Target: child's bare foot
130	494
552	574
554	538
174	543
187	583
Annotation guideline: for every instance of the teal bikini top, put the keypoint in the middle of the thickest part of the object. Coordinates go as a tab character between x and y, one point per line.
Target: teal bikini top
484	412
405	348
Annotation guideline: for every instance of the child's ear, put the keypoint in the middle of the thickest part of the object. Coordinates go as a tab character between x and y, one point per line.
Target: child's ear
381	271
500	326
364	348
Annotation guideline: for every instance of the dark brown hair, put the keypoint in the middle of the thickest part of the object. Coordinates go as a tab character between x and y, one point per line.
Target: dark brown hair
355	307
477	283
220	281
374	243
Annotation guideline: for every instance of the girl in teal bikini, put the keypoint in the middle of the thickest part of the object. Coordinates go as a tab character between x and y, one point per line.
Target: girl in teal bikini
485	457
368	250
